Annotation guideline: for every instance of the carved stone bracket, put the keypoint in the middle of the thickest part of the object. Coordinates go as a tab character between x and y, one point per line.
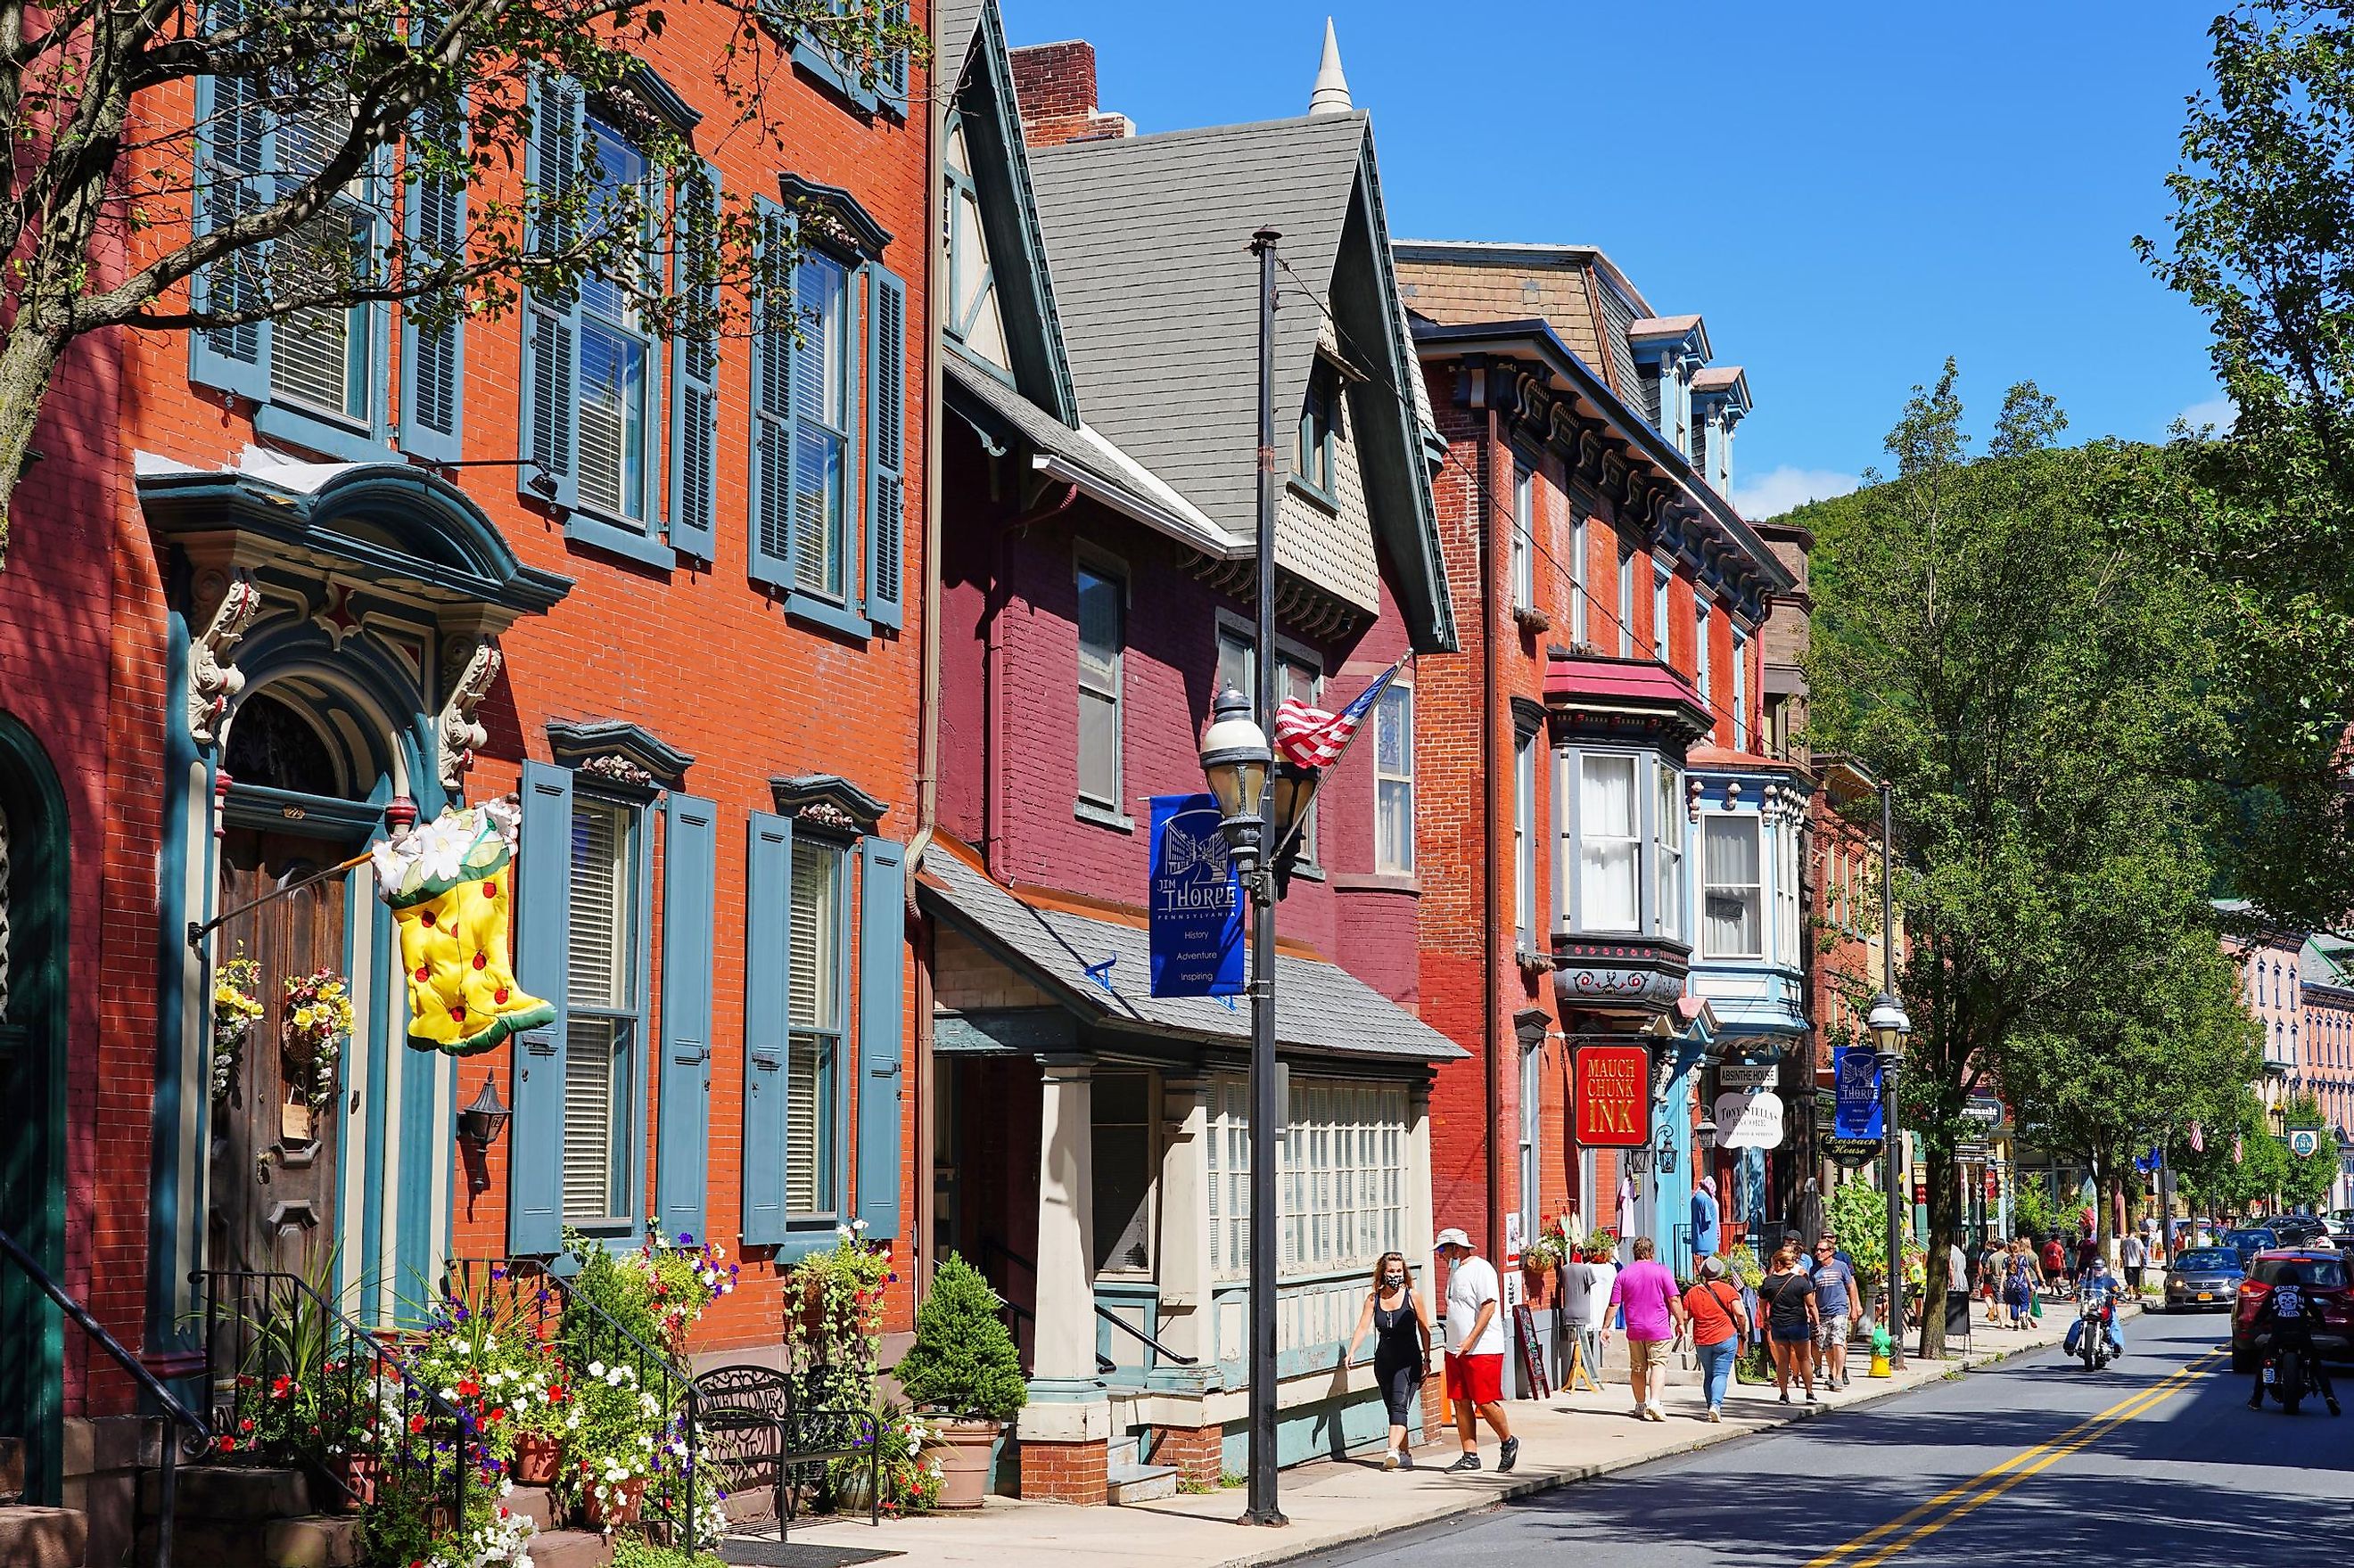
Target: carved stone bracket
460	735
212	683
615	768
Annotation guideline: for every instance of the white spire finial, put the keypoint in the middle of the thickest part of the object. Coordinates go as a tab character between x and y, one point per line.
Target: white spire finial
1332	92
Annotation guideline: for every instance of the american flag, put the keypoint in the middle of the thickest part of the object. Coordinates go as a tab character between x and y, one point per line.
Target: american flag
2239	1154
1312	737
2198	1139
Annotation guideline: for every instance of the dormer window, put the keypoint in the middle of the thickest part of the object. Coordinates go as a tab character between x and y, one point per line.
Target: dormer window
1312	461
972	317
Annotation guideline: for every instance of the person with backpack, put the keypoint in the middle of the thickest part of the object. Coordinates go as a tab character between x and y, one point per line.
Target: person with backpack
1791	1324
1720	1326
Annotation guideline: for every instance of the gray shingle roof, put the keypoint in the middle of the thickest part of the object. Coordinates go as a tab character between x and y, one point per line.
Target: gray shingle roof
1148	238
953	25
1321	1007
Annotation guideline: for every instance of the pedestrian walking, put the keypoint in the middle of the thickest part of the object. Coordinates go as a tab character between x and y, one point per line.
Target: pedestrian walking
2133	1254
1839	1300
1400	1325
1475	1351
1646	1291
2055	1263
1720	1331
1789	1294
1992	1265
2025	1278
2088	1249
1585	1302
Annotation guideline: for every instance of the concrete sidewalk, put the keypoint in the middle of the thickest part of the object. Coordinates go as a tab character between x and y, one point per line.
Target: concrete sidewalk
1564	1439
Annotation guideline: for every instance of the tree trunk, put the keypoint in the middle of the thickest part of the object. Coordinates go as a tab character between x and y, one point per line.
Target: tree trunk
29	358
1944	1227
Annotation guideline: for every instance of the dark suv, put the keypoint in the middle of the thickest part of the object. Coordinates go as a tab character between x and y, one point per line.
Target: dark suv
2331	1301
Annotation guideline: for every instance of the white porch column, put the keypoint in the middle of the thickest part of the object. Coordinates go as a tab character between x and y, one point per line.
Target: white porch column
1415	1243
1185	1220
1065	1347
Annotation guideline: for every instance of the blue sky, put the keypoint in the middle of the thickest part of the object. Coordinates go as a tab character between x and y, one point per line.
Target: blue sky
1848	192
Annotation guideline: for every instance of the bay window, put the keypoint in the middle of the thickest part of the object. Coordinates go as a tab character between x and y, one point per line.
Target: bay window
1394	781
1609	849
1668	913
1734	890
1785	895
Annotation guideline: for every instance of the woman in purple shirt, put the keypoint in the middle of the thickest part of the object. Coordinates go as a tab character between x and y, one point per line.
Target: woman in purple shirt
1647	1293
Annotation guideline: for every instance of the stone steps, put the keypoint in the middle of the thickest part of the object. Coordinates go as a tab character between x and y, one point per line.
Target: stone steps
571	1548
1136	1483
43	1537
12	1469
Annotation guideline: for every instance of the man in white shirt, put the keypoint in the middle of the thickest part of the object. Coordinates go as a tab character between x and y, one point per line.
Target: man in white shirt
2133	1254
1586	1303
1475	1351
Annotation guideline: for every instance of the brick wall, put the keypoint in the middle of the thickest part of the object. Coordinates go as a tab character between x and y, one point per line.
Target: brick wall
1064	1472
1055	84
1195	1453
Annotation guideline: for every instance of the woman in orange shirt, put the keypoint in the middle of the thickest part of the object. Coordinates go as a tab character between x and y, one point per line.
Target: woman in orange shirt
1720	1328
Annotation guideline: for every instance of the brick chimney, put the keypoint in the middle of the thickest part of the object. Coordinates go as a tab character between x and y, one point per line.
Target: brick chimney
1056	86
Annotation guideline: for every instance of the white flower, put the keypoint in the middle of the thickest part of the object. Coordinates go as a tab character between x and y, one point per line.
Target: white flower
595	1369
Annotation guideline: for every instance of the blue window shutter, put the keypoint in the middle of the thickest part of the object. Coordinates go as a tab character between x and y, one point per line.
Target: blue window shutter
772	408
690	849
694	390
894	85
551	321
886	444
233	139
768	953
432	359
882	964
544	893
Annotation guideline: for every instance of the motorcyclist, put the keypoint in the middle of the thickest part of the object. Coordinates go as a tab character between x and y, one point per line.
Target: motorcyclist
2096	1285
2290	1312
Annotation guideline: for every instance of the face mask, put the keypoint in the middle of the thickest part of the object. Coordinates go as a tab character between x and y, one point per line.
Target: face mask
1393	1280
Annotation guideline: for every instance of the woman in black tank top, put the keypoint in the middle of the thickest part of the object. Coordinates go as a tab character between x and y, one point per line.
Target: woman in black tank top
1400	1325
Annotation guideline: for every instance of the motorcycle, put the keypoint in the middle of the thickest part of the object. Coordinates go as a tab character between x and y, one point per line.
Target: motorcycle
2284	1377
2092	1334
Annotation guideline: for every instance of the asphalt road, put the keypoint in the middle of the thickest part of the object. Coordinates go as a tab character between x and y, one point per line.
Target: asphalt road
2155	1459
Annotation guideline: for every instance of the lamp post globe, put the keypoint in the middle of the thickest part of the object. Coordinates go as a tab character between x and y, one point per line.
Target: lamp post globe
1235	763
1889	1026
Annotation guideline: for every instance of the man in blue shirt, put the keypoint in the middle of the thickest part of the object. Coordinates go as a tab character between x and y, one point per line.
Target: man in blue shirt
2097	1285
1839	1302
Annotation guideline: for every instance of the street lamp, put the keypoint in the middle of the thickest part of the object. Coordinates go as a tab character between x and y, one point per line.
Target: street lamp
1890	1028
1235	761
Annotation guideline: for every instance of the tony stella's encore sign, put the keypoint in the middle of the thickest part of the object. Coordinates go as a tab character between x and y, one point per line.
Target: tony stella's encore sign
1613	1095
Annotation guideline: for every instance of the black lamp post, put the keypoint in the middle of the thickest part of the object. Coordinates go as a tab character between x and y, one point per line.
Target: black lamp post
1890	1029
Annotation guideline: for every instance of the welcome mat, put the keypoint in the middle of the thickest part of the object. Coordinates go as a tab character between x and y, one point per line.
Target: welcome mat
797	1554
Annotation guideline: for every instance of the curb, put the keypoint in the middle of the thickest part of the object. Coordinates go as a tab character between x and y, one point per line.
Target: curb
1534	1486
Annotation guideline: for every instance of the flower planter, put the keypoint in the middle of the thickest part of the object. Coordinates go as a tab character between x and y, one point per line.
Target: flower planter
623	1511
537	1458
964	1449
356	1474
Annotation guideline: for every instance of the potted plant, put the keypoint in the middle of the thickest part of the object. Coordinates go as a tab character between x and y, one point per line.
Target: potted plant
962	1371
1542	1254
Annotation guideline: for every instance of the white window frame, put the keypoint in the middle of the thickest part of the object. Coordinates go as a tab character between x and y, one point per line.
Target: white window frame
1101	681
1578	617
1669	838
1626	600
1710	822
1341	1189
1388	783
1701	671
1525	837
1524	523
1787	926
1662	574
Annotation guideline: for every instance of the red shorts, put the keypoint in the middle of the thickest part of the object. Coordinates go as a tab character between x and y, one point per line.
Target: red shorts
1479	1380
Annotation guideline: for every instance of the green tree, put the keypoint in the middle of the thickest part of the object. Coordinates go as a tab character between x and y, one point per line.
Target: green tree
2263	224
2306	1179
328	116
963	1361
2036	694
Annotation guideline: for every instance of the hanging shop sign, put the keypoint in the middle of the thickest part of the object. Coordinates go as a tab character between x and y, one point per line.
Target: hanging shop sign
1855	1078
451	886
1734	1077
2304	1142
1853	1152
1195	923
1612	1095
1983	1108
1751	1121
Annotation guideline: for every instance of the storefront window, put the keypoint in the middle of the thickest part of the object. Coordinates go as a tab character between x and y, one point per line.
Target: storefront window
1339	1179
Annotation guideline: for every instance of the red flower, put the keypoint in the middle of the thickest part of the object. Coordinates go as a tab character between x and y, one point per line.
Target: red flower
246	1424
417	1422
228	1444
469	1387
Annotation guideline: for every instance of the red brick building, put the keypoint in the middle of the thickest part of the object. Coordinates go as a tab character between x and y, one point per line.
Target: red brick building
282	589
1610	600
1089	1140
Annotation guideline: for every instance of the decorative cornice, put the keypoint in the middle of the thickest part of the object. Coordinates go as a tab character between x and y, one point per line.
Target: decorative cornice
459	734
827	801
830	213
617	752
213	683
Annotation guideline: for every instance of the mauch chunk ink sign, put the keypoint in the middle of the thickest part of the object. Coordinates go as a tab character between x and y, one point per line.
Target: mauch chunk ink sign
1196	921
1614	1095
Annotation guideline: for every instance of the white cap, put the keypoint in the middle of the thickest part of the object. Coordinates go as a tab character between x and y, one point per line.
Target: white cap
1453	1236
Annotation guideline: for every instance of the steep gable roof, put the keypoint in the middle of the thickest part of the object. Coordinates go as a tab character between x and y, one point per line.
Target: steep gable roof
1150	240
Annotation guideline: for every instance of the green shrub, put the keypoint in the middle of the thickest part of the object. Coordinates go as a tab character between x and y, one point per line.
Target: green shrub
962	1363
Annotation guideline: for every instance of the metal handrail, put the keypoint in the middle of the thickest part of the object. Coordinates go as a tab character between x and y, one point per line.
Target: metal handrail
1138	1335
147	1381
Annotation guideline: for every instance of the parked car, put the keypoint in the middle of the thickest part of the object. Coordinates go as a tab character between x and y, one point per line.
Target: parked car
2249	1241
2323	1275
2204	1280
2300	1230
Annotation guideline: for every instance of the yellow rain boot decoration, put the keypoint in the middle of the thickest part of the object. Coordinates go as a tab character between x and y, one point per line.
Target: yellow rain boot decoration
451	886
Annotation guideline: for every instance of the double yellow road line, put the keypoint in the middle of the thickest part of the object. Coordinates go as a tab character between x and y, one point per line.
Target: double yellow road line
1911	1527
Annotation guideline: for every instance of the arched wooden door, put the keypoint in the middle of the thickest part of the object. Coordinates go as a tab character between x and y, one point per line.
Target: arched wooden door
32	882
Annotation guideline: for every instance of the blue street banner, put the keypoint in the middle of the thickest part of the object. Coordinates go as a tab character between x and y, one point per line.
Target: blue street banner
1196	914
1855	1075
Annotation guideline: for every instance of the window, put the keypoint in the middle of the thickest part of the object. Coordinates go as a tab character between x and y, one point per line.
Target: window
1579	592
605	1017
1785	895
1339	1181
814	984
321	357
1524	838
1393	779
972	317
821	433
1610	845
1296	675
1626	600
1319	418
1103	642
1668	913
1701	649
1739	690
1524	523
1661	577
1734	892
1127	1165
616	380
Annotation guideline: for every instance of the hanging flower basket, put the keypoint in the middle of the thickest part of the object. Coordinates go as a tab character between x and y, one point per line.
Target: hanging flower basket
235	1012
318	1021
